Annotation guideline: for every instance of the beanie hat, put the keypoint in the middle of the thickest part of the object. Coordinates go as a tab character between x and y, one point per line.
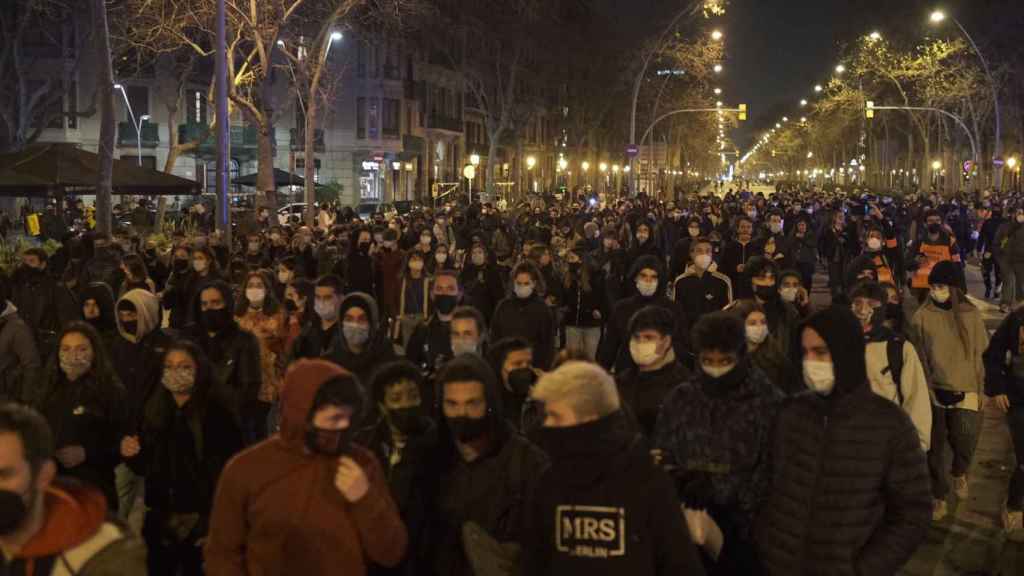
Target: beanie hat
945	272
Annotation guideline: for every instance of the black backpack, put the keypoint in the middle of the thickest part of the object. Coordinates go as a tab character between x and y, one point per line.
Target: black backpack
894	351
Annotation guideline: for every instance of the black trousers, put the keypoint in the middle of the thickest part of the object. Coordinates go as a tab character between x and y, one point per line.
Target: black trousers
961	429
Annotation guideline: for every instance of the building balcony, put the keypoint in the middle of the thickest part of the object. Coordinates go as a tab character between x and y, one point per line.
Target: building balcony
439	122
127	137
244	139
298	139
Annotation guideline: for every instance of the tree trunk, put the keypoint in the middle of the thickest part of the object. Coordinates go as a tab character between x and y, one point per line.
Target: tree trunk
309	155
492	155
105	79
265	169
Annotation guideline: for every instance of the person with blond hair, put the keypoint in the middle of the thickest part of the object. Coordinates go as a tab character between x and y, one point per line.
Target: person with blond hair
602	507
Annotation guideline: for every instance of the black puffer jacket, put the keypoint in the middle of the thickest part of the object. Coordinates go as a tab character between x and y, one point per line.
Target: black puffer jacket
850	493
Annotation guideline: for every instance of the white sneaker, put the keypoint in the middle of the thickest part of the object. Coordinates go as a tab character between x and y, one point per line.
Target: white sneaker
939	510
960	487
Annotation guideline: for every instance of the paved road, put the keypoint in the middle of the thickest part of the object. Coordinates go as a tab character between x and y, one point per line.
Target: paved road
969	542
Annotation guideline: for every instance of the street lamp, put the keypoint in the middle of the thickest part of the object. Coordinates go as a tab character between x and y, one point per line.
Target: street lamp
137	124
939	16
335	36
396	175
530	162
474	159
818	88
803	102
718	91
875	36
936	164
716	35
840	69
718	68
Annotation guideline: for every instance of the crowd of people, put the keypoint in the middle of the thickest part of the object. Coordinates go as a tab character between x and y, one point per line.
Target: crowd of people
637	386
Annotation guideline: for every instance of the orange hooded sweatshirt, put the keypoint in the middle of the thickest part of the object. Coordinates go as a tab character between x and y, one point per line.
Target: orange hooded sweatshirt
277	510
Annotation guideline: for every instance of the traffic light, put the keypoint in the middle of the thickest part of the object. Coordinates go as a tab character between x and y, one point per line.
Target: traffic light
870	111
743	112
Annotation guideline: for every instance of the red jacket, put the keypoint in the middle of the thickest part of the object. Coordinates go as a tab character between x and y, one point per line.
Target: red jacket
277	510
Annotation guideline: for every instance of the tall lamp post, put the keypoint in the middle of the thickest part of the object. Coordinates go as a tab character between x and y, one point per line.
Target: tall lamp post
939	16
530	163
137	124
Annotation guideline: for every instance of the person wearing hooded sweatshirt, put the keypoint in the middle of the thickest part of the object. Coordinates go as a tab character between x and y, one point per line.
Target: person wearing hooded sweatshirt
54	527
849	485
655	371
602	508
362	344
83	401
524	314
234	353
402	439
720	464
307	500
186	438
19	358
98	310
783	317
42	301
482	472
701	289
1004	383
951	338
649	274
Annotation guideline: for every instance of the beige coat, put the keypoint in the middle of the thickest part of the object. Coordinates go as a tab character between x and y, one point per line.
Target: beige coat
916	398
951	365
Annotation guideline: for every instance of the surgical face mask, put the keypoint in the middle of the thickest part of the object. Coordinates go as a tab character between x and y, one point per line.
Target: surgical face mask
441	257
644	353
641	238
255	295
789	294
327	310
462	346
765	292
524	291
355	334
478	259
647	288
940	295
775	227
757	334
819	376
934	227
74	364
703	261
178	380
200	265
425	239
874	244
332	443
409	420
521	380
717	372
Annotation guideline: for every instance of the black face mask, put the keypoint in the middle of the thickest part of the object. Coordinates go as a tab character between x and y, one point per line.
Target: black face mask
466	429
216	320
934	228
131	327
364	247
180	265
893	311
521	380
13	510
290	306
445	303
766	293
332	443
409	421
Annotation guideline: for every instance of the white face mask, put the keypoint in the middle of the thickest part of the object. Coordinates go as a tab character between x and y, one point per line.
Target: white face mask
524	290
255	295
789	294
819	376
644	353
641	238
703	261
940	295
441	257
463	346
647	288
757	334
874	244
717	372
775	227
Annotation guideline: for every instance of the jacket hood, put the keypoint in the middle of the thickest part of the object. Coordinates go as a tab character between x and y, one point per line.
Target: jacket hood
147	305
225	290
652	262
104	297
74	512
367	303
301	383
841	330
472	367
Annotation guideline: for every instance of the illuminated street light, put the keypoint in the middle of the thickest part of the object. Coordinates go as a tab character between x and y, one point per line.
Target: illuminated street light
938	16
530	162
803	102
585	166
1011	162
626	169
562	163
840	69
777	125
875	36
718	68
336	36
474	159
603	167
936	164
718	91
785	118
716	35
818	88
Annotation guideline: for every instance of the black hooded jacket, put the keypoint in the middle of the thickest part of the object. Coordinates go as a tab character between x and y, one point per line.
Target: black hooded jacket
234	354
849	490
378	348
492	491
530	319
603	508
614	348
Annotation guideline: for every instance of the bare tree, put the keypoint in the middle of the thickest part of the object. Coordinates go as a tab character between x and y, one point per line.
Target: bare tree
105	76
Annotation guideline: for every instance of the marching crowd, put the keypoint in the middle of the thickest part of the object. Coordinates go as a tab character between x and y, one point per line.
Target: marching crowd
565	387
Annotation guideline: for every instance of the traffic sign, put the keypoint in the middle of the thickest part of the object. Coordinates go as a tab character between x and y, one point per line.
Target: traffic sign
743	112
632	150
998	161
870	111
968	165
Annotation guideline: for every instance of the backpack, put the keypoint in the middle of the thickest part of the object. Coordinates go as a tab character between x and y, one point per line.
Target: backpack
894	351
